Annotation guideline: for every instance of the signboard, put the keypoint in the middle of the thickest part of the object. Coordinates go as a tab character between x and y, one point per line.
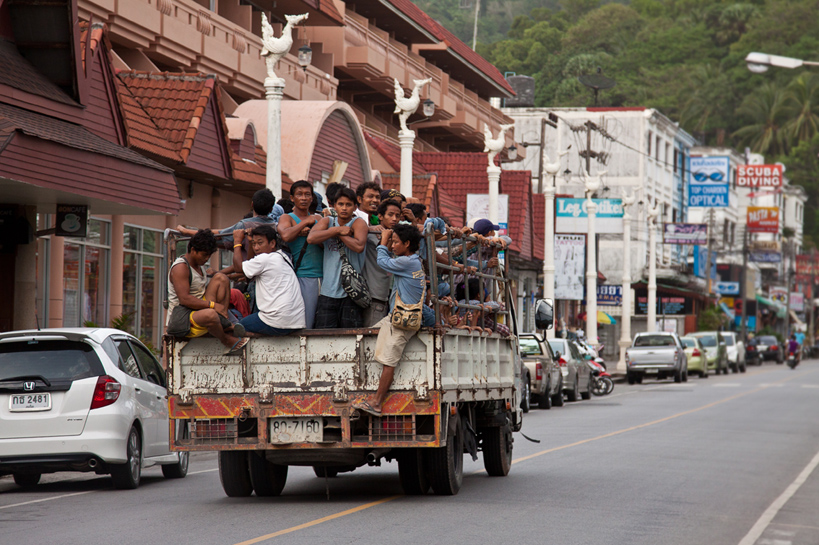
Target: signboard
763	219
764	256
674	305
685	233
701	258
72	220
759	176
571	216
727	288
477	206
708	182
750	322
570	266
778	294
609	296
764	246
797	301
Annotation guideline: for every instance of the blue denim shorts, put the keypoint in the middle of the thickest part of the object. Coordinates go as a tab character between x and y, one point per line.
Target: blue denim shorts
254	324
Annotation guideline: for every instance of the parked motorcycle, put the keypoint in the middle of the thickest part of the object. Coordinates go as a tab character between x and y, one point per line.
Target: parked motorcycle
602	384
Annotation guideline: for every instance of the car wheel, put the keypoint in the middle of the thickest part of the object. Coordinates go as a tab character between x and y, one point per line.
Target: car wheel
588	393
573	393
640	378
127	476
685	375
743	367
703	374
734	367
497	450
678	375
526	395
26	480
630	378
557	399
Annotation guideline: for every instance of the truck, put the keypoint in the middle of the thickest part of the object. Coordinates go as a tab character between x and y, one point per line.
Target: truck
288	401
660	354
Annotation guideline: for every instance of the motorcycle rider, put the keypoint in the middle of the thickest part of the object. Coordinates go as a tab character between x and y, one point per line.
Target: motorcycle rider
793	350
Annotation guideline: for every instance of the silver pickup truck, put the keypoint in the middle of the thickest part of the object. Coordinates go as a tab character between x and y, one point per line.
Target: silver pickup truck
661	354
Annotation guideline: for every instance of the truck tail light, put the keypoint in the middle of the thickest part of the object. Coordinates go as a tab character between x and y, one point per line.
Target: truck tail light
539	371
106	392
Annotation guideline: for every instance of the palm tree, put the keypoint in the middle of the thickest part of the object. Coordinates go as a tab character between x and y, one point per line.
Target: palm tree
766	110
707	89
802	106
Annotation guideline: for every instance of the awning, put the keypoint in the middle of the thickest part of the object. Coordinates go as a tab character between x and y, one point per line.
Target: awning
728	312
796	323
781	310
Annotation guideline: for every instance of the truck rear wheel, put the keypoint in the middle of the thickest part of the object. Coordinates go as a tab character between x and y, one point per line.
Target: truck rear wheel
234	473
497	450
412	472
268	479
446	465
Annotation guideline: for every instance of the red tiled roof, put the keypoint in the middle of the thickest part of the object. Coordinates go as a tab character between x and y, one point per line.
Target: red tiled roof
538	224
392	153
97	32
463	173
175	102
423	185
140	130
455	44
250	171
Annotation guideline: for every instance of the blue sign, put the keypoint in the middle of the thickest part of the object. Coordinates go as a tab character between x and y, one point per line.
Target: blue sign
750	322
765	256
571	216
611	296
708	182
727	288
701	258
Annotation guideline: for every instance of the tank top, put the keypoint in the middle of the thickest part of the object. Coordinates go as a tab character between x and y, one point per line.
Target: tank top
331	284
312	263
199	282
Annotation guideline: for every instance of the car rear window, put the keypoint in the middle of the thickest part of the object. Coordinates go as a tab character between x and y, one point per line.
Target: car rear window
768	340
530	347
654	340
557	346
729	340
708	340
53	360
688	342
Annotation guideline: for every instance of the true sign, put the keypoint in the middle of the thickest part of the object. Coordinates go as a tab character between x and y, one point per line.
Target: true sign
763	219
759	176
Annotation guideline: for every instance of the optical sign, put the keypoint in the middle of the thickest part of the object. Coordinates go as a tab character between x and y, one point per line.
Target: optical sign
708	182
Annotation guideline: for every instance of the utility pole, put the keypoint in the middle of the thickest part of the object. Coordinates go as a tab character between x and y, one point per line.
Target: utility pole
708	259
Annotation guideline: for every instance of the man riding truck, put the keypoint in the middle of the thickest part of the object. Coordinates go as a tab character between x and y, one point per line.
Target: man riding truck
196	304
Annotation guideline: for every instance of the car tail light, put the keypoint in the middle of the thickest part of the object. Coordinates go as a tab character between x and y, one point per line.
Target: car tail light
106	392
538	371
562	361
696	353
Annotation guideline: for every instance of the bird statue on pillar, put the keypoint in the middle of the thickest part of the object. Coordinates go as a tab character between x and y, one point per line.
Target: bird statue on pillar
653	212
276	48
552	169
494	145
628	200
593	183
406	106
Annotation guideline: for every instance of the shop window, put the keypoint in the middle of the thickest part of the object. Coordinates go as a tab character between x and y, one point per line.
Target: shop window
143	285
86	276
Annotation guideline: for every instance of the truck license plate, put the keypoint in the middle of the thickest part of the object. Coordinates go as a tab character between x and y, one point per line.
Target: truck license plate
30	402
296	430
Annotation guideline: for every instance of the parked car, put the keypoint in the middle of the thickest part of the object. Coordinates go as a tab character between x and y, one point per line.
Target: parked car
696	356
659	354
768	348
83	399
735	349
543	380
716	349
577	377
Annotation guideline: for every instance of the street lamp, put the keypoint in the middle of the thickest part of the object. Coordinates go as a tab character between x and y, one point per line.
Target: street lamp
625	325
305	56
759	63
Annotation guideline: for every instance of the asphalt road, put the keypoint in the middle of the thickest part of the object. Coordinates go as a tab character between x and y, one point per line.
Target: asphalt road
727	460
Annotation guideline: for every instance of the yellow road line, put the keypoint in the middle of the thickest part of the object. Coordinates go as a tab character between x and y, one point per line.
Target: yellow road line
317	521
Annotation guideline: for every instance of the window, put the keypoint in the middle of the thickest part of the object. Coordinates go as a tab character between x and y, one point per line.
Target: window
86	276
676	159
150	367
127	361
667	153
650	138
143	283
657	148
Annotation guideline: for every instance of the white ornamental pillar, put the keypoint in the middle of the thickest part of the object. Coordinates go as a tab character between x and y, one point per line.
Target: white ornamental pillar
406	140
651	327
274	91
550	170
625	319
591	274
493	173
405	107
494	146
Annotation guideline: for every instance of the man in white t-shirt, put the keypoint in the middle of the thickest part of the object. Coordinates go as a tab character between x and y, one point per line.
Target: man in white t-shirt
278	296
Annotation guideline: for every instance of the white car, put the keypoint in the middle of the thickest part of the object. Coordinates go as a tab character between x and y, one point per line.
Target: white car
83	399
736	352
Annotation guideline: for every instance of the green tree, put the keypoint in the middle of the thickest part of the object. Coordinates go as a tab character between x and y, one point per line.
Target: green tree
802	107
766	114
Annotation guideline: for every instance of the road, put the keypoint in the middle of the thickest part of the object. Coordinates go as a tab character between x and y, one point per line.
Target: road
725	460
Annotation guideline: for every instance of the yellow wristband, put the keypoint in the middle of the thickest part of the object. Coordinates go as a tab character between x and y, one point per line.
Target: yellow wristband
212	304
237	245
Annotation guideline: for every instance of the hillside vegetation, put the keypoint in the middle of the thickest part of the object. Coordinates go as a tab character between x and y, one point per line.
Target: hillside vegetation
683	57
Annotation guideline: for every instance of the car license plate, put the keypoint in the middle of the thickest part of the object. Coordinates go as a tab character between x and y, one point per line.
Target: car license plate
30	402
296	430
651	371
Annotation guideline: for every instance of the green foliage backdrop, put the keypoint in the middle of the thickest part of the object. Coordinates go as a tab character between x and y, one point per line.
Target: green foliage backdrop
683	57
